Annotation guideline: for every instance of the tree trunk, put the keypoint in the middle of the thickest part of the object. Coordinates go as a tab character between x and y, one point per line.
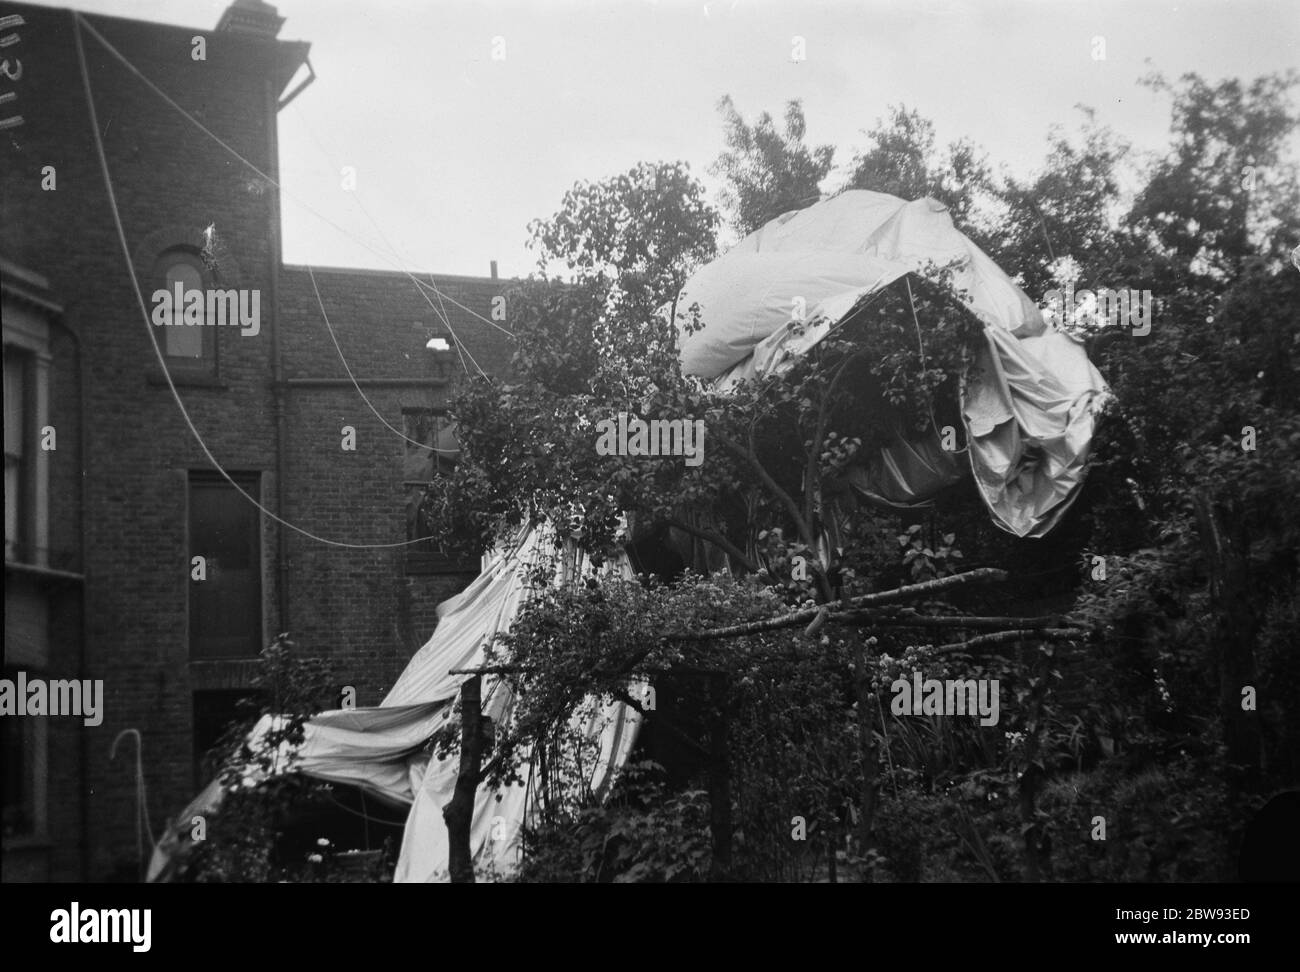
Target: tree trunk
458	813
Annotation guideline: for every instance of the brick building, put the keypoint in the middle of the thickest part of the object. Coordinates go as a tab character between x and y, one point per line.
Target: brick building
101	530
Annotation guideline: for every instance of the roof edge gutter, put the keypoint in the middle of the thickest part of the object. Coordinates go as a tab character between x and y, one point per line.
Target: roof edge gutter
302	86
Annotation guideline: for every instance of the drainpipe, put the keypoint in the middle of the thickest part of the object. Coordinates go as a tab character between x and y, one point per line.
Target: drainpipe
277	367
83	740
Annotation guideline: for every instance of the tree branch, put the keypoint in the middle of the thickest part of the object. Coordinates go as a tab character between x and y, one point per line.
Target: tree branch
1003	637
773	487
718	540
796	618
910	619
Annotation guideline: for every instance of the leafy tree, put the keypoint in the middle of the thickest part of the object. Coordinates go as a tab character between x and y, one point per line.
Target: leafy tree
1070	209
768	173
1225	193
1139	699
902	161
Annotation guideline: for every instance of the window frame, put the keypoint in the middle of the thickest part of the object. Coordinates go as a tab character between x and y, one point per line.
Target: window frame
425	558
198	480
208	363
27	339
18	548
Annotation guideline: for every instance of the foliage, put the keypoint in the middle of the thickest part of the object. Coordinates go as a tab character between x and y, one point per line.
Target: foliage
902	161
1226	187
768	173
1128	723
261	789
642	834
924	563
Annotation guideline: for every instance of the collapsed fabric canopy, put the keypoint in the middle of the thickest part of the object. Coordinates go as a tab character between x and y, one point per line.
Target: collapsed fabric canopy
1028	413
1029	408
385	751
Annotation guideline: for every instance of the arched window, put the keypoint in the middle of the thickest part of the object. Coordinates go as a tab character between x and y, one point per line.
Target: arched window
192	346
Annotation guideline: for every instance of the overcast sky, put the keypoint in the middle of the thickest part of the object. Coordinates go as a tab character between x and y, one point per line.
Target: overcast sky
455	152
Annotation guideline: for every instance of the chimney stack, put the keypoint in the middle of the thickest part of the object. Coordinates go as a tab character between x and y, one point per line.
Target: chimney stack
251	17
494	269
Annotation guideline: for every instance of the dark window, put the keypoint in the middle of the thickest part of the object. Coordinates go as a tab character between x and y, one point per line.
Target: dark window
17	453
215	711
18	752
191	347
226	606
430	452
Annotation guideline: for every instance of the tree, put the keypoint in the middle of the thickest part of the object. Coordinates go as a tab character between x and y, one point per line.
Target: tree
1070	209
768	173
1225	192
1208	232
902	161
1195	529
597	340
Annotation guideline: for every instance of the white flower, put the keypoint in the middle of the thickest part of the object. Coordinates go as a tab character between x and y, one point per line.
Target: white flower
315	858
322	842
1064	270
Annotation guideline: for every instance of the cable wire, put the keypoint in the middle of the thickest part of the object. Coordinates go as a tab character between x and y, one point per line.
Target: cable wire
144	312
121	58
357	386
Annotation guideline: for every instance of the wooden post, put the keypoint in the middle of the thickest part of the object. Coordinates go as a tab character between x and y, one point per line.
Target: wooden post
458	813
867	703
719	777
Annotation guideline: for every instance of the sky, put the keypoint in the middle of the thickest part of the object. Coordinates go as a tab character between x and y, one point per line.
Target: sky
456	150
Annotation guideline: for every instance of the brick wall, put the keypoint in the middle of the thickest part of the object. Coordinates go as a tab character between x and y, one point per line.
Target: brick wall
362	607
358	607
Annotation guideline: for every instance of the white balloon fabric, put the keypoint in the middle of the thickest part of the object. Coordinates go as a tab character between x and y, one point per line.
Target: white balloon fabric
384	749
1029	407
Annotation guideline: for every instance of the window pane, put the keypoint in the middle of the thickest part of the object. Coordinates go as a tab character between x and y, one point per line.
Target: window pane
422	465
226	607
446	442
183	341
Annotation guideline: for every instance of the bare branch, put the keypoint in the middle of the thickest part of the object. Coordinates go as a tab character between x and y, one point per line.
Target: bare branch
796	618
1005	637
910	619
